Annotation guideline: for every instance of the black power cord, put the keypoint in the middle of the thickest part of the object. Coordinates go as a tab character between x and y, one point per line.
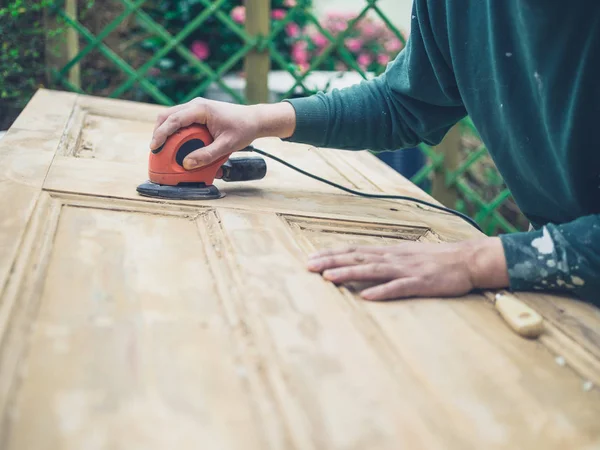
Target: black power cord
365	194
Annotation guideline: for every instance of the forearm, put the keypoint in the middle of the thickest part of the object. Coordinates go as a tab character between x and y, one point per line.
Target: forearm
363	116
274	120
557	258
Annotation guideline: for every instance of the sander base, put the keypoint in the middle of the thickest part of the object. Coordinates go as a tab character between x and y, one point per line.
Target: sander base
183	191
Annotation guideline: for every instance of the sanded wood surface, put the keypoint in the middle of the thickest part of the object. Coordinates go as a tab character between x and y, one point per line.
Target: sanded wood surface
128	322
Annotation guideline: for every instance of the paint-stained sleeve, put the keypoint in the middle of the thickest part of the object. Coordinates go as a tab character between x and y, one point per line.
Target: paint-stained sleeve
416	100
557	258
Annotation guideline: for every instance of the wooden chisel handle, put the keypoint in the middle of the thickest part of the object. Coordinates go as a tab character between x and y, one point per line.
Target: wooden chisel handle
520	317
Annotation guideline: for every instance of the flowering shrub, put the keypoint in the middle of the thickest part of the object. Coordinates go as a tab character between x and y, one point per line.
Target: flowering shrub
370	42
213	42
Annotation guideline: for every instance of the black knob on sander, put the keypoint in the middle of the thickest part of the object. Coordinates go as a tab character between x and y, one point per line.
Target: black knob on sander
244	169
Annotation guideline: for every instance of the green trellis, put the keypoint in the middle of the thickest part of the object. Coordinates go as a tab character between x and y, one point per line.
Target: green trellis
489	213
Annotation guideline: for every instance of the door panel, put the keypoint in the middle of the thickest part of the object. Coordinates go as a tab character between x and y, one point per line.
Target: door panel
128	322
130	340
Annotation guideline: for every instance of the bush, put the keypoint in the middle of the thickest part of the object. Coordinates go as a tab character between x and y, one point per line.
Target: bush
22	68
213	42
370	42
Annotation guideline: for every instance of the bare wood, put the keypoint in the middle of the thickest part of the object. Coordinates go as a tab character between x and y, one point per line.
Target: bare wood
257	63
128	322
26	153
450	149
63	46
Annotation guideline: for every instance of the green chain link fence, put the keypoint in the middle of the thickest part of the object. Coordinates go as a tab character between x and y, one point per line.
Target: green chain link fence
135	43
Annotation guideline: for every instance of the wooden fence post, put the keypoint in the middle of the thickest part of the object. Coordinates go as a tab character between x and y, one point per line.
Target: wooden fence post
62	47
258	63
449	147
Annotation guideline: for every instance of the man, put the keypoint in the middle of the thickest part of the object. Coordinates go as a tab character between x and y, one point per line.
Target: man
528	74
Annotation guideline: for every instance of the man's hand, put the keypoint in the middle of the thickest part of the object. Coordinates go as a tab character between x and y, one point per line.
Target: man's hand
233	127
417	270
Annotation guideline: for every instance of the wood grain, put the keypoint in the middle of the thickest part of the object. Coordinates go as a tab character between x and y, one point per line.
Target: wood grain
128	322
123	349
26	152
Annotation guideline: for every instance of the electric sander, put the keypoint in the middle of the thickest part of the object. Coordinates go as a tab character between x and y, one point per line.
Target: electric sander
169	179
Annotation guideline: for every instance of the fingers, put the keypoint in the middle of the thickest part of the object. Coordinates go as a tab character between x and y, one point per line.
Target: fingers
340	260
366	272
165	114
182	117
400	288
206	155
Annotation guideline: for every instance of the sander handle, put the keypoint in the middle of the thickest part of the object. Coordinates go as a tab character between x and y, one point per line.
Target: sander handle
244	169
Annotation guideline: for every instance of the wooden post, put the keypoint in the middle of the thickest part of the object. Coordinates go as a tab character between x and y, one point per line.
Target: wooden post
257	63
450	148
64	46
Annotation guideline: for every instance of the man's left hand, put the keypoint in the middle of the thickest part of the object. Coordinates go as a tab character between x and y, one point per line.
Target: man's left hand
415	269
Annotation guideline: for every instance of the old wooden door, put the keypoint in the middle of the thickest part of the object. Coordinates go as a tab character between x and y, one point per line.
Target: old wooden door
127	322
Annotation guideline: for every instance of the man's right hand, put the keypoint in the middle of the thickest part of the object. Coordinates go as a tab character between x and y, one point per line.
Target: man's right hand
232	126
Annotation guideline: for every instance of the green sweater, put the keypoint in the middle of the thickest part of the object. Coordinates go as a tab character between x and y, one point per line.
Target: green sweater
527	72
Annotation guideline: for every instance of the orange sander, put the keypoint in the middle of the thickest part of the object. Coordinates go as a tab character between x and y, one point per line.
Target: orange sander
169	179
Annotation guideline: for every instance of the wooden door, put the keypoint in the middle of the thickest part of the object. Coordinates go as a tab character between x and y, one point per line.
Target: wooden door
128	322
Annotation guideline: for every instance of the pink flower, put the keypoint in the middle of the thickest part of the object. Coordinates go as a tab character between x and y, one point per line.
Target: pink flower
200	50
319	40
368	29
292	29
339	26
300	53
354	44
393	45
364	59
383	59
238	14
278	14
290	3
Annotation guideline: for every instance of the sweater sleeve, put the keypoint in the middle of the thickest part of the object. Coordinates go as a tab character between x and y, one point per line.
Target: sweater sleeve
557	258
416	100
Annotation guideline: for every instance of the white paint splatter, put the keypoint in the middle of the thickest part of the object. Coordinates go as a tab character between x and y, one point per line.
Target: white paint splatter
560	361
587	386
544	244
551	263
577	281
501	105
414	17
508	54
